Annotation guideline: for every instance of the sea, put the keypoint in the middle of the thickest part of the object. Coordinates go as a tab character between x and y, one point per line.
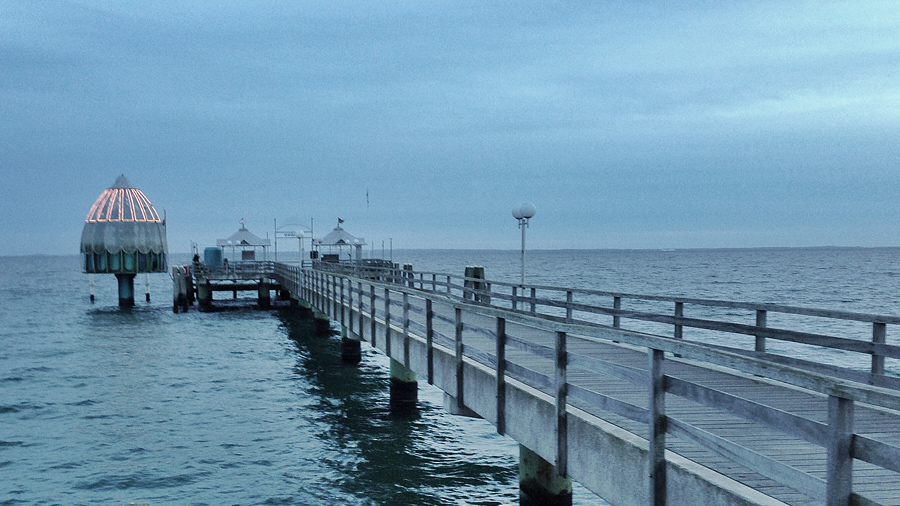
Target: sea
102	405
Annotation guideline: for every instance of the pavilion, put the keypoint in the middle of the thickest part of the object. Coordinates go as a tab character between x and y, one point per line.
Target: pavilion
246	242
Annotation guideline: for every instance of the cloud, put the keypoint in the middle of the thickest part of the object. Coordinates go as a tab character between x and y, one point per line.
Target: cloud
622	121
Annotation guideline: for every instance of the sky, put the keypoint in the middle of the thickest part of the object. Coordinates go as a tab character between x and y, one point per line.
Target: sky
695	124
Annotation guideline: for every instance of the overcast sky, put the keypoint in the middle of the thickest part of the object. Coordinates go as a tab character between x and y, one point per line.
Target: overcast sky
628	124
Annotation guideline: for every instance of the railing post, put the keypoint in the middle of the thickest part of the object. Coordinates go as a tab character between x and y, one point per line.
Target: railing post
515	295
429	340
387	322
679	313
460	402
656	414
406	329
373	322
617	305
501	375
569	306
562	361
839	473
359	293
448	285
434	282
334	297
879	333
760	322
343	307
533	300
349	304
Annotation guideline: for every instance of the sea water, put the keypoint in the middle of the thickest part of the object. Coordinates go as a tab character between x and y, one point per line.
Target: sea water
100	405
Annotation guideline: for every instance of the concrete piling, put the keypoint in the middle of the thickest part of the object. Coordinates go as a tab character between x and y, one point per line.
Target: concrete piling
539	482
351	347
179	290
303	307
323	323
204	295
473	285
404	388
264	295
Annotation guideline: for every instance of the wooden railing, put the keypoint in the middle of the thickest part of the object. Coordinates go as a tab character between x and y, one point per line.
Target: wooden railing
739	327
556	328
244	269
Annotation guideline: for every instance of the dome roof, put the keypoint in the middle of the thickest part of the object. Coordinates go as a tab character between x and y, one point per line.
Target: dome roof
123	220
122	202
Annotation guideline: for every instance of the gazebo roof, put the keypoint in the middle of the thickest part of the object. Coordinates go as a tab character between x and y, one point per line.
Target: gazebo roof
243	237
340	237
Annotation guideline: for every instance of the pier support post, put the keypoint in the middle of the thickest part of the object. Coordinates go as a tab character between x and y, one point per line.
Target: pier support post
404	388
539	482
304	308
265	299
189	286
473	285
179	290
126	290
323	323
351	349
204	295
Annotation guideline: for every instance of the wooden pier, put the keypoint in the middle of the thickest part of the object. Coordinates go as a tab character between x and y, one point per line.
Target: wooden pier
644	400
256	276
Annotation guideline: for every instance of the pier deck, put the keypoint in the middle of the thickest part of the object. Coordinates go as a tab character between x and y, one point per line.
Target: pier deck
599	402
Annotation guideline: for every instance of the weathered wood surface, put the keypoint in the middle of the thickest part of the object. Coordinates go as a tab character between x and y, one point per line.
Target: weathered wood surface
786	432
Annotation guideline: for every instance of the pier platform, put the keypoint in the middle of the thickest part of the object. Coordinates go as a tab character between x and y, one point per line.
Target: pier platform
256	276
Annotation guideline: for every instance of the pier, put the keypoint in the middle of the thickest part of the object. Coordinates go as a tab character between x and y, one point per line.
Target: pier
644	400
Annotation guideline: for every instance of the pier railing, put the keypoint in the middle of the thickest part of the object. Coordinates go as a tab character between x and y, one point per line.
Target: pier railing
549	340
857	342
238	270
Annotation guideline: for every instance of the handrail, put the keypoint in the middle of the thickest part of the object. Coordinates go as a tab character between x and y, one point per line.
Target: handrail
580	305
342	294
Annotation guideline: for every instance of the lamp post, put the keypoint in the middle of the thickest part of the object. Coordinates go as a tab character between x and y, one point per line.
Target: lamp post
300	239
522	213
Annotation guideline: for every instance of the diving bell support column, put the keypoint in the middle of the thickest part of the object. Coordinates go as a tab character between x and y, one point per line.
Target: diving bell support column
126	289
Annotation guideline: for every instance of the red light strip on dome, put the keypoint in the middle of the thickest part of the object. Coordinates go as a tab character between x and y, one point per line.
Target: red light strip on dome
111	206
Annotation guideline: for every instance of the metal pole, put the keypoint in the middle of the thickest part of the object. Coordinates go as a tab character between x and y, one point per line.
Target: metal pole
522	224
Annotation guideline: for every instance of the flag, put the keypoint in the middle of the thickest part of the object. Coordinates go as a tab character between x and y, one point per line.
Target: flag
340	221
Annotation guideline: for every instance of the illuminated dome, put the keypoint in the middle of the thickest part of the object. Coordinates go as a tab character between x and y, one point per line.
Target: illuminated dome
123	233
